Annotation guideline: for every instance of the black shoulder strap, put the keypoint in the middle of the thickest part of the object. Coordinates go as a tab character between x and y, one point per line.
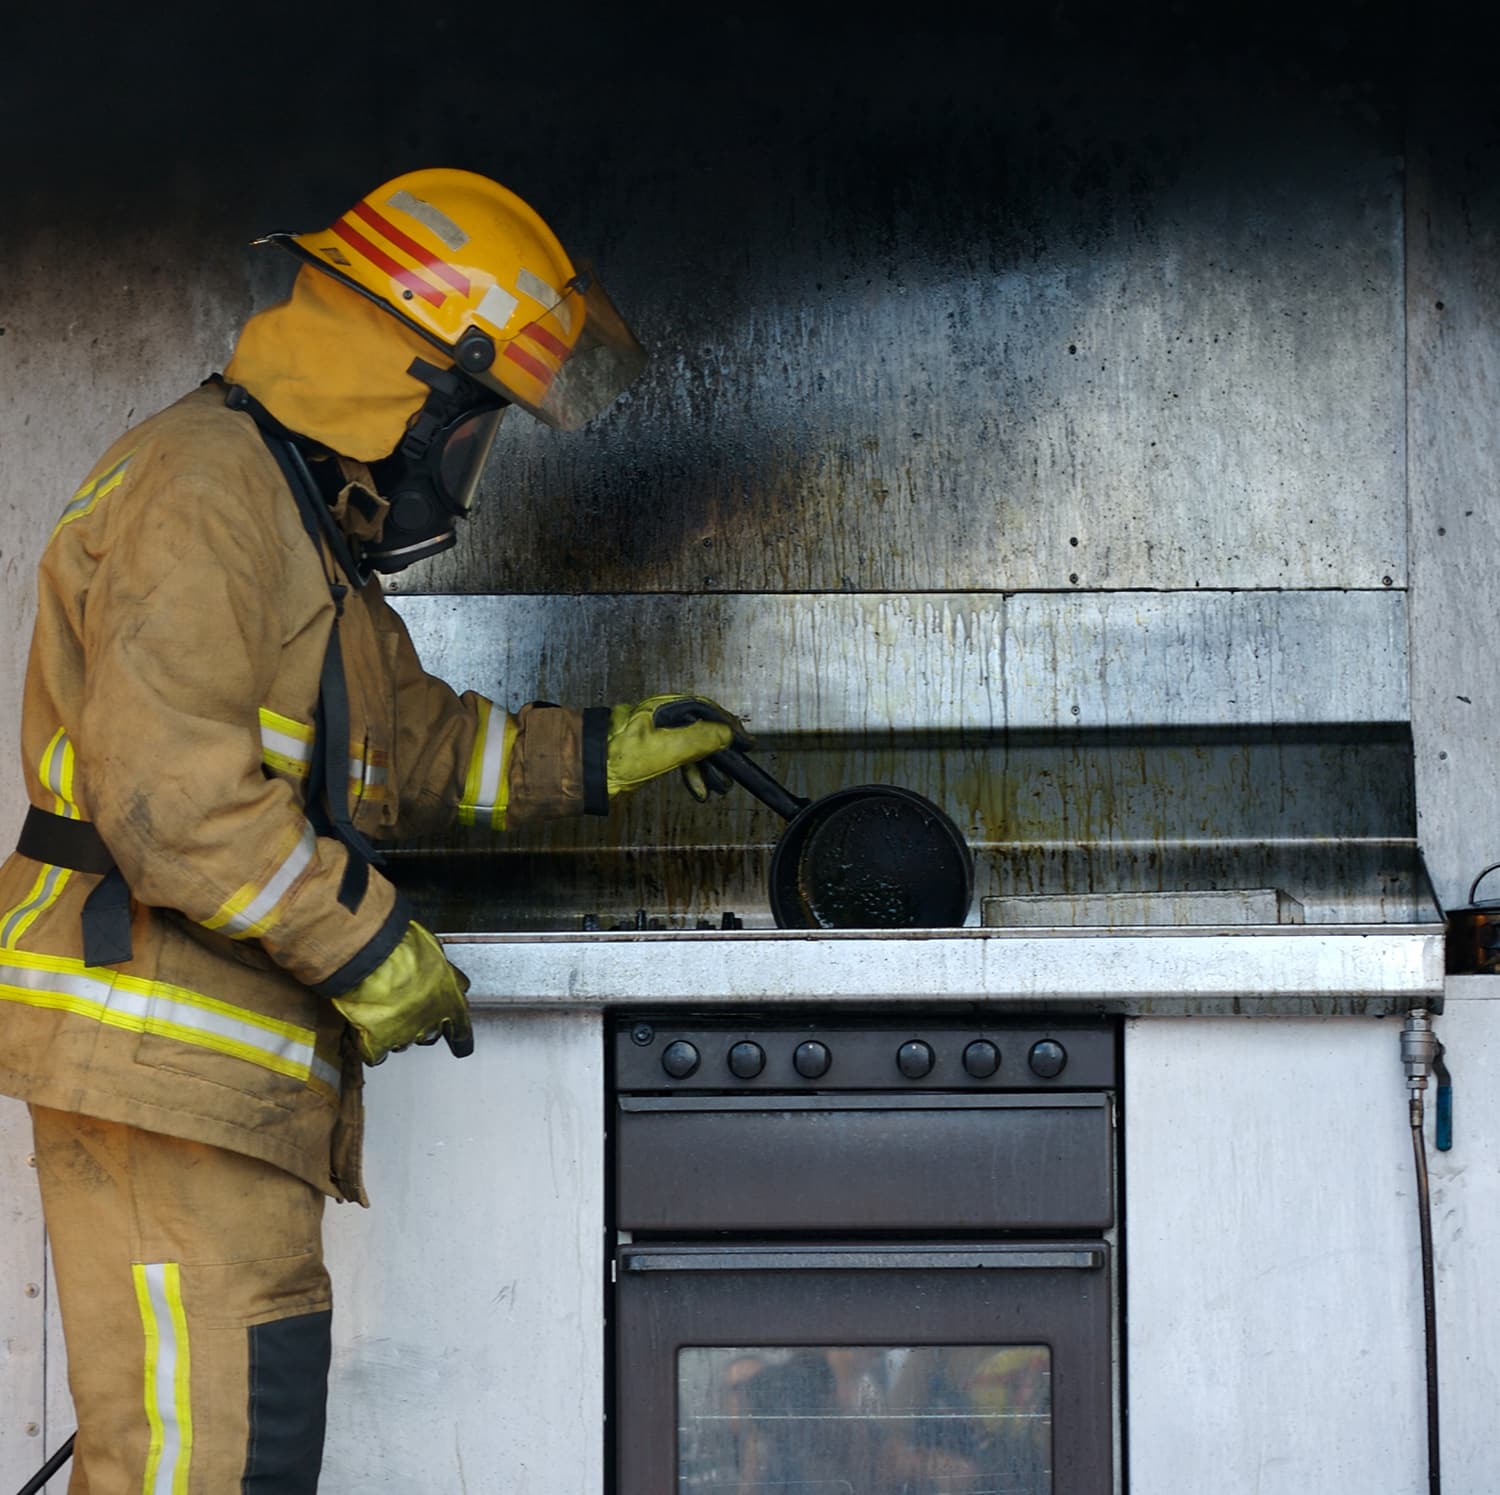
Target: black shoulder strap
328	779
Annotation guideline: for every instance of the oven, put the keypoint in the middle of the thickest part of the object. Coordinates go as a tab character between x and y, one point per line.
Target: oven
863	1256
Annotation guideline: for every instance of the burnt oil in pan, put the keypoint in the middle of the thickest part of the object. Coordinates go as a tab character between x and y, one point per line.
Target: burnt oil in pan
879	863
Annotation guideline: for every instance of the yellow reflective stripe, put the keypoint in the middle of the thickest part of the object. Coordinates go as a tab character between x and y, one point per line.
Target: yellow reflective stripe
468	801
289	726
61	983
297	768
56	774
50	881
367	774
91	493
285	744
169	1409
486	789
251	910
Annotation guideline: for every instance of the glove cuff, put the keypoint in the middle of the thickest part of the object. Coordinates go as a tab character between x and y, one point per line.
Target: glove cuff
596	760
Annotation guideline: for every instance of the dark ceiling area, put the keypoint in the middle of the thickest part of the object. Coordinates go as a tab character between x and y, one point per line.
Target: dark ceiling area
280	110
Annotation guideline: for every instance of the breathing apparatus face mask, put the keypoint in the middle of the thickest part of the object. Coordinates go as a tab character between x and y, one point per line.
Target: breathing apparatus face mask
431	478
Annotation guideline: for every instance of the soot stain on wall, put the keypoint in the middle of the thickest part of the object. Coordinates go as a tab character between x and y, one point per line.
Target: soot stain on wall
927	303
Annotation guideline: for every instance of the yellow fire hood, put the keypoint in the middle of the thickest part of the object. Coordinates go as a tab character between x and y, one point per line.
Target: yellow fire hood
333	367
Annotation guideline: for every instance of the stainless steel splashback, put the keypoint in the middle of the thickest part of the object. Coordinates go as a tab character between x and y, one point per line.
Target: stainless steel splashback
1125	743
876	664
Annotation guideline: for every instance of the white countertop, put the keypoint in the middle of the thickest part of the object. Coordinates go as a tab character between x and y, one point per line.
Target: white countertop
1353	970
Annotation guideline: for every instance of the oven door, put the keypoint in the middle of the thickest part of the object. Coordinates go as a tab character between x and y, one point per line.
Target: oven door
857	1369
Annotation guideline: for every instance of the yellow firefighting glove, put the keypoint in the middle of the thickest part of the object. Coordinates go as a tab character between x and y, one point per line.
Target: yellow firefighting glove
412	996
661	733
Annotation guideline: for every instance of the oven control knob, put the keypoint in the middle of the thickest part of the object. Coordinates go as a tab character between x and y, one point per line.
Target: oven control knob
981	1059
679	1059
747	1059
811	1059
914	1059
1047	1058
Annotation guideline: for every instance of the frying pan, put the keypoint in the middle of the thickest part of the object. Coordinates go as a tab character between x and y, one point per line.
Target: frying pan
872	857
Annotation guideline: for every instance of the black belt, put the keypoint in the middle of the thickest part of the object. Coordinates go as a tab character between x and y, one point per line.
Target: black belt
76	845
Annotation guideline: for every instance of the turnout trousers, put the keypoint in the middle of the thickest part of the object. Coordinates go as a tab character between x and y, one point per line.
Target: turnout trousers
196	1310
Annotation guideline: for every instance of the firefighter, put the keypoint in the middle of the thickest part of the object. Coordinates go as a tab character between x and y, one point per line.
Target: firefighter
222	715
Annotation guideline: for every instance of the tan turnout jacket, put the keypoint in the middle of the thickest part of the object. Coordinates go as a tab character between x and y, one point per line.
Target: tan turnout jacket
183	616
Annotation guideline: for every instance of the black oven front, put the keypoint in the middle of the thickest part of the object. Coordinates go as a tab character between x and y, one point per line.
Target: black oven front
862	1257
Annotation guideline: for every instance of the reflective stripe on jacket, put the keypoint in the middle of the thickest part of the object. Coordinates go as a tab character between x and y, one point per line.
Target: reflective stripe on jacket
182	620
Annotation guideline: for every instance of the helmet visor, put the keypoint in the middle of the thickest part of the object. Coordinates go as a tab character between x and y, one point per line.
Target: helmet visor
569	390
463	447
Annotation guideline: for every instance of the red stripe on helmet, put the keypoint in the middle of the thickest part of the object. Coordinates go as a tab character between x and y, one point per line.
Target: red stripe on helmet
544	339
533	366
408	245
379	258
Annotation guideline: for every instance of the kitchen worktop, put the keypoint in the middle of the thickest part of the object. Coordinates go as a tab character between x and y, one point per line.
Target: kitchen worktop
1323	970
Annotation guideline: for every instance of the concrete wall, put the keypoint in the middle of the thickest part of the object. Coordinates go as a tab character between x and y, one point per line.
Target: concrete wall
928	308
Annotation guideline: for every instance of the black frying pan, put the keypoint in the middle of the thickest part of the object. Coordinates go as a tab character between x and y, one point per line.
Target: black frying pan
875	857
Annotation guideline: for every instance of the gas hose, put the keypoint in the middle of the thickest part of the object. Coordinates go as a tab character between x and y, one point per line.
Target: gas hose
1420	1050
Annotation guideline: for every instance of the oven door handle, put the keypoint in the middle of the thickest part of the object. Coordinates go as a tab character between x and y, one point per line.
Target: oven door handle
795	1259
1049	1100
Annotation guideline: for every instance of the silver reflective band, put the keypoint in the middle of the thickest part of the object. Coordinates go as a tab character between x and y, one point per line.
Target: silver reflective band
272	892
283	744
168	1408
56	773
40	899
286	752
492	761
140	1007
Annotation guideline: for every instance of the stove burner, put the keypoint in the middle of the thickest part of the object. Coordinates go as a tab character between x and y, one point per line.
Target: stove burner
592	923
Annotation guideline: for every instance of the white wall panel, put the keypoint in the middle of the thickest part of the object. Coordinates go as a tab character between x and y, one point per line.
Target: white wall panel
1273	1318
468	1319
1465	1184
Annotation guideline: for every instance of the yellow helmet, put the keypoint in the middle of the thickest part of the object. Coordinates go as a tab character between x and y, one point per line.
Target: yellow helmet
473	269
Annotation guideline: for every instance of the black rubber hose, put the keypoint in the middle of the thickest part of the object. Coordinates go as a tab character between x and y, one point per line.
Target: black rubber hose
48	1469
1429	1299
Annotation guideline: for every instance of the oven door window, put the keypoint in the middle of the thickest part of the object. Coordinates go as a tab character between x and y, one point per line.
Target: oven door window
865	1420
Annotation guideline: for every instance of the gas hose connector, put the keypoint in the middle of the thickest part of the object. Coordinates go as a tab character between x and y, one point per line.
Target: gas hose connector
1419	1047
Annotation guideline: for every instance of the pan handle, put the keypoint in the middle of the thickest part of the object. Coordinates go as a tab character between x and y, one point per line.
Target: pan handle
750	775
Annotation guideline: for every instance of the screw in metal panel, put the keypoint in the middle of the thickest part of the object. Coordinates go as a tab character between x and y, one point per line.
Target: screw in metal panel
31	1290
642	1034
31	1160
32	1429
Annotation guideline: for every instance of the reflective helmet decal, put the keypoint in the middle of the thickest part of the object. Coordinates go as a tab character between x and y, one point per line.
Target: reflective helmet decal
441	268
413	282
540	369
